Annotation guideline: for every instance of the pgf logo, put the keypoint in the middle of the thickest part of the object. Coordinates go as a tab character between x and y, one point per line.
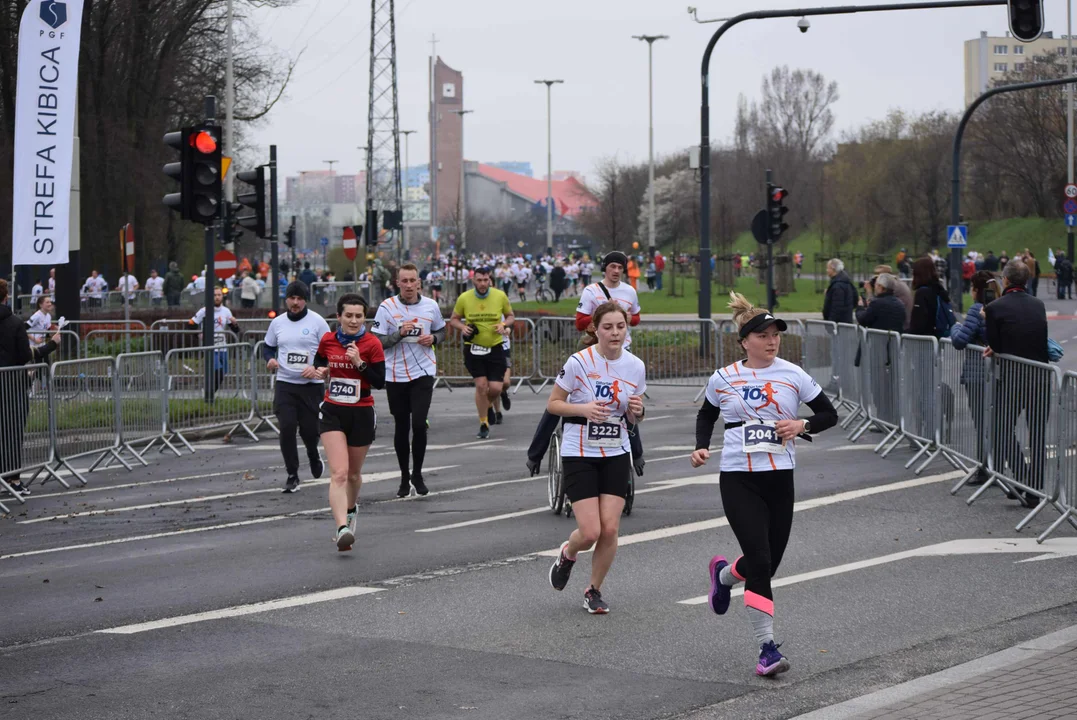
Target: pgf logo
54	14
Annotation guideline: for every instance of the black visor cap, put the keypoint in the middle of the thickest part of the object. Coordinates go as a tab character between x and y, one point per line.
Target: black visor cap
760	323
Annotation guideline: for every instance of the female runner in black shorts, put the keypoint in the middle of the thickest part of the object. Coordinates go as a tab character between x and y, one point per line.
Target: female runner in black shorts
599	393
350	362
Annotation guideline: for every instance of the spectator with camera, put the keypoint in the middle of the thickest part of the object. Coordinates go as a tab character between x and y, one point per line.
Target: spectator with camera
884	311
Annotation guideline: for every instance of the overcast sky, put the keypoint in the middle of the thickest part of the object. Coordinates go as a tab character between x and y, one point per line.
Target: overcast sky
912	60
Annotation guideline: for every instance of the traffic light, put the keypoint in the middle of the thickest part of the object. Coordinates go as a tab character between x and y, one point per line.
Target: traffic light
205	174
256	200
776	211
179	171
371	227
233	229
393	219
1026	19
289	237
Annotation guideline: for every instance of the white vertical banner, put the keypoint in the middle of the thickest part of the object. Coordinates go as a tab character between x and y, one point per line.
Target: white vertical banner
49	37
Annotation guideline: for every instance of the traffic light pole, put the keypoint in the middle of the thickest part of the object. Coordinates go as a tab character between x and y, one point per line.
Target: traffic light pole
208	320
274	232
705	143
955	181
770	254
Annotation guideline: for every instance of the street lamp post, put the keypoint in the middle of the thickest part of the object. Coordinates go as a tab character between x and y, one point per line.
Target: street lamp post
332	199
462	196
407	175
650	39
549	163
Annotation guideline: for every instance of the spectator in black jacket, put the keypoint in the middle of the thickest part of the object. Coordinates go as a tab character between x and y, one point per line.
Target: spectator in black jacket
1017	325
557	280
1064	276
991	262
14	389
840	300
927	292
885	311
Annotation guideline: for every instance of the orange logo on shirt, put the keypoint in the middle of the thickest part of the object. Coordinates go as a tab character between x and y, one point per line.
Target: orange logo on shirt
769	394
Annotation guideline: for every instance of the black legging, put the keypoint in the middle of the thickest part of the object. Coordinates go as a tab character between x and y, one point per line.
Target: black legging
759	507
409	404
296	407
548	426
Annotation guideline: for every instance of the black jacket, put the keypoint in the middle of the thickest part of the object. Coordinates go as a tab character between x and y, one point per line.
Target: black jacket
924	307
557	279
14	342
1017	325
840	300
991	263
885	312
1064	271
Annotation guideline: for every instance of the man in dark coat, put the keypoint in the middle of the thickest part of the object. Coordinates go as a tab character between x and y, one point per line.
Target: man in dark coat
1017	325
1064	274
14	390
840	300
557	280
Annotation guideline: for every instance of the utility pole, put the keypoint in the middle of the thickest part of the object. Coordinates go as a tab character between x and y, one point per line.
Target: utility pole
274	232
229	99
650	39
383	115
1069	117
406	185
462	196
549	161
333	190
433	142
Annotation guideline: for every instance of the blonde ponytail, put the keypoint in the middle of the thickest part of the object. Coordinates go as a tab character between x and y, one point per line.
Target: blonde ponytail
743	310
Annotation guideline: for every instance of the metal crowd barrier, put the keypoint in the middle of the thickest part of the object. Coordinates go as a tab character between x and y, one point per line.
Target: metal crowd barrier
880	386
141	403
263	387
819	360
226	403
963	407
1067	455
83	415
1023	426
25	432
523	343
922	399
847	342
675	353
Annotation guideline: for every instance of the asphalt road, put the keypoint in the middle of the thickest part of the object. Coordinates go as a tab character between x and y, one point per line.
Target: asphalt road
136	596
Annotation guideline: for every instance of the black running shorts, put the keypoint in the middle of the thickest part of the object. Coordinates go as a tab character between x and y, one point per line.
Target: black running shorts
490	366
590	477
357	423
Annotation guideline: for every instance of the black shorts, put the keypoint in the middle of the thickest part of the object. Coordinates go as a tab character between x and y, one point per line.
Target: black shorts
491	366
590	477
357	423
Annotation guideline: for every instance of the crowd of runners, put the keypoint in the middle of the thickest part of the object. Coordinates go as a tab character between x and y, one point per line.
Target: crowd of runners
325	379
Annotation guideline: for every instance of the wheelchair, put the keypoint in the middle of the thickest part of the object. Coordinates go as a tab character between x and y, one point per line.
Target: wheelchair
555	481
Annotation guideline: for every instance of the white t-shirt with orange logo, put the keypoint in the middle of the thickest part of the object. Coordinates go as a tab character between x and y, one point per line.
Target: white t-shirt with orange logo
587	377
768	394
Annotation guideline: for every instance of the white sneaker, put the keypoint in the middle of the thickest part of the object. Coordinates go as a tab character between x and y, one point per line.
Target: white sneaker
345	538
353	520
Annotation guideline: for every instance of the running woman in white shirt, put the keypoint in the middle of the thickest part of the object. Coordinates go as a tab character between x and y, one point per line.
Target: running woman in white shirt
290	345
759	398
409	325
599	393
593	296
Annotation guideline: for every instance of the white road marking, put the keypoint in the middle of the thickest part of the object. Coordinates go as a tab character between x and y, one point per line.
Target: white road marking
1065	341
704	525
81	491
240	610
481	521
243	523
367	478
1055	547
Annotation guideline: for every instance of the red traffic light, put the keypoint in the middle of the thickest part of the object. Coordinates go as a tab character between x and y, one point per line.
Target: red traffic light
779	194
204	142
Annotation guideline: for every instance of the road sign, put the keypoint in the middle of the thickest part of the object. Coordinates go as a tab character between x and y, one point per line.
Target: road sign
957	236
350	243
759	227
1071	221
1071	191
1070	207
325	242
224	265
127	238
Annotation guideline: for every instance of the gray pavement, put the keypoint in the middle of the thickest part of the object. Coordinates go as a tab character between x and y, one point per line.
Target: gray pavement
149	594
